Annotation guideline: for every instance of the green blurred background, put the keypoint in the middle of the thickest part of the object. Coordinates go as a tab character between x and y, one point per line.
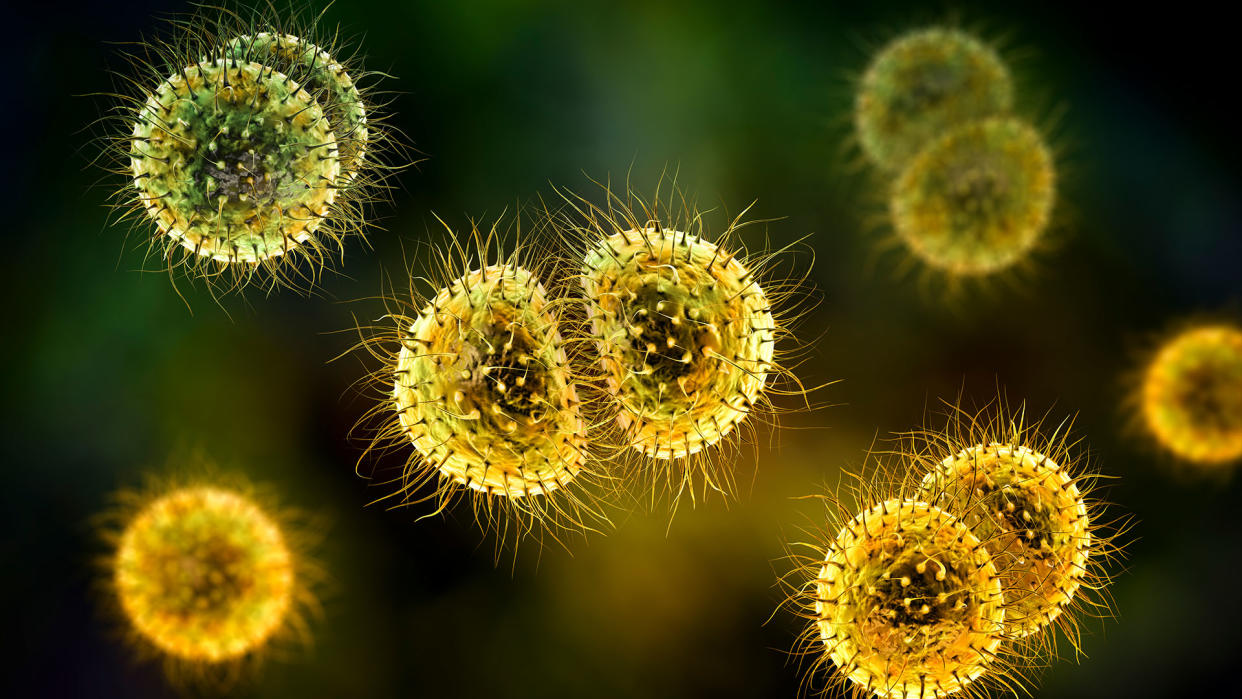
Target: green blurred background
108	373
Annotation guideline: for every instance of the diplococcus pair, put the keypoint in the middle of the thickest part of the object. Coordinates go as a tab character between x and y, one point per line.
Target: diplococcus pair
938	575
250	147
971	187
545	386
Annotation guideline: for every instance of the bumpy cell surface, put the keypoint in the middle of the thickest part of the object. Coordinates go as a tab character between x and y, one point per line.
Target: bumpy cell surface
909	602
976	200
923	84
685	337
234	160
483	387
204	575
1191	396
1030	516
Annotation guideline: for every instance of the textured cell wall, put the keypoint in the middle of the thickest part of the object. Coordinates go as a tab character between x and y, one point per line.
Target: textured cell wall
106	372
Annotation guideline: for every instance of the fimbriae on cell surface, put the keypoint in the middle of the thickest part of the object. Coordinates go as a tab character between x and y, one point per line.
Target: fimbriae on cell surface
685	326
250	150
478	381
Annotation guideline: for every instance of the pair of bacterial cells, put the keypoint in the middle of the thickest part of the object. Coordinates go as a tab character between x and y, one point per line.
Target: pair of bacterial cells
251	146
545	383
970	186
953	565
628	356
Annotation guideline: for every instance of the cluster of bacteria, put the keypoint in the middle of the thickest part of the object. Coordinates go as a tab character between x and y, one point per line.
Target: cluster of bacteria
631	351
965	555
970	186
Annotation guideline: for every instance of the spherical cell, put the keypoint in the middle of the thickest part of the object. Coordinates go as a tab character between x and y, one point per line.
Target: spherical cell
1191	396
234	160
1030	516
685	337
204	575
909	603
326	80
483	387
976	200
923	84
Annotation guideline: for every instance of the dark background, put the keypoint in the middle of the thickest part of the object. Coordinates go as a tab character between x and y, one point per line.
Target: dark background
108	373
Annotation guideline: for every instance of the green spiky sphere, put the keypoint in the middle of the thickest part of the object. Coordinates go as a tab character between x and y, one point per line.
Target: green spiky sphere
922	84
234	160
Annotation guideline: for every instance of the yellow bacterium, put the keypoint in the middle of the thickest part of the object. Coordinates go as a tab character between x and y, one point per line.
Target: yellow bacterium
477	379
1027	494
902	600
977	199
685	327
1191	395
207	575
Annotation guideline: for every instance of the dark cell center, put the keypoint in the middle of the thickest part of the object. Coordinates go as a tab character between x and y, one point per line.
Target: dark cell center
939	592
667	338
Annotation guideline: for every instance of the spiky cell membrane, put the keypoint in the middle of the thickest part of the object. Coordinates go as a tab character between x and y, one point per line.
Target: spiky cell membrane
319	74
976	200
234	161
483	389
922	84
204	575
908	602
1191	395
1032	518
685	337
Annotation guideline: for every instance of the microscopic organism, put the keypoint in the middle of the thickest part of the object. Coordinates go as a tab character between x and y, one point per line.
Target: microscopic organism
1027	495
685	327
903	600
923	84
685	345
1031	514
478	380
977	199
233	163
206	577
1190	395
249	147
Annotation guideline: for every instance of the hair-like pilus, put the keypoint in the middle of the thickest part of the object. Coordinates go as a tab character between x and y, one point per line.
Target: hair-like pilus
207	573
690	331
1025	488
898	596
477	388
252	142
